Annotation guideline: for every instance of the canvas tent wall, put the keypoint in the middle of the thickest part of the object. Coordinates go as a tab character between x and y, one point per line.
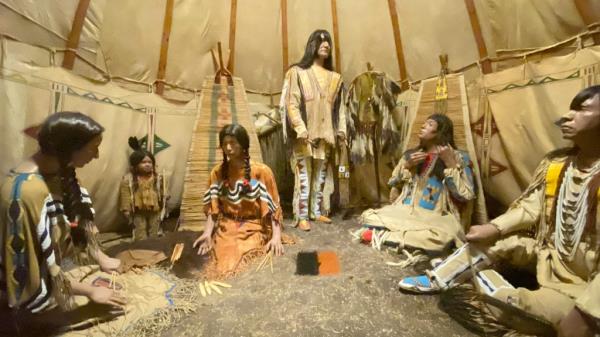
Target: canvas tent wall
29	94
122	39
121	43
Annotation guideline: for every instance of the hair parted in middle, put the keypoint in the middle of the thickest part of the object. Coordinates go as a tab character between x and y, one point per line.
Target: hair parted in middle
241	136
312	50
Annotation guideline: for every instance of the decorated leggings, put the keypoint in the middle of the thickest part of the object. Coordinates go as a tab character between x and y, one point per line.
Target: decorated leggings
468	261
308	192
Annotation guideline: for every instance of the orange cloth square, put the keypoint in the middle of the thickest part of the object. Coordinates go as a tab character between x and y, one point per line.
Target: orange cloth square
329	263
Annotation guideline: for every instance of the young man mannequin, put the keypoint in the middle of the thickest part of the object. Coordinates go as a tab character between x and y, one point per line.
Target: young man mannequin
311	106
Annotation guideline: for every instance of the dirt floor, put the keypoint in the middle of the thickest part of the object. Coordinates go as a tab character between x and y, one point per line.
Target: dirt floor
361	301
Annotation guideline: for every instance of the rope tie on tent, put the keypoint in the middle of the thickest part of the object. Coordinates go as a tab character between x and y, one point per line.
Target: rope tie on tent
579	43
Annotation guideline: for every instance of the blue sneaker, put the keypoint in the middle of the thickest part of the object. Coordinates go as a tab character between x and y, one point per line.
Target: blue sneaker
418	284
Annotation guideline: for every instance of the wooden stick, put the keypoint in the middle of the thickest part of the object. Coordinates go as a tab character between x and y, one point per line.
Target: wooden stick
585	11
398	42
232	27
164	47
486	65
336	37
284	35
176	255
75	34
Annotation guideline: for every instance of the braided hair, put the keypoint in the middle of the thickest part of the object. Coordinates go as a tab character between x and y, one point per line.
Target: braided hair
61	135
241	136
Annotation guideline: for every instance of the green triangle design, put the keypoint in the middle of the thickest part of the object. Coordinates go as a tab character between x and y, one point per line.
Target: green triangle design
159	143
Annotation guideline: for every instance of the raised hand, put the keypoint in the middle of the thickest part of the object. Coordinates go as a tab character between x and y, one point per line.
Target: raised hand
415	159
446	154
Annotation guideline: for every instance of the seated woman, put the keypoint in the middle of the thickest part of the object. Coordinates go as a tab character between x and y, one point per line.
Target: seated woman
241	205
431	185
46	222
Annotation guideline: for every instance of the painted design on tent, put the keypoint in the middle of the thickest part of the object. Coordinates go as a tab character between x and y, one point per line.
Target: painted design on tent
493	167
544	80
478	126
496	168
159	144
105	99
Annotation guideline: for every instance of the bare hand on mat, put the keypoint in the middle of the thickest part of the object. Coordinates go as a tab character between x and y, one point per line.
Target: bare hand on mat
575	324
275	246
204	242
415	159
483	234
102	295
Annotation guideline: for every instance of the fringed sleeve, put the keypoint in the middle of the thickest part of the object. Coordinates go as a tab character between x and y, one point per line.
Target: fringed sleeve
269	198
342	120
400	175
293	102
459	179
29	267
526	211
125	197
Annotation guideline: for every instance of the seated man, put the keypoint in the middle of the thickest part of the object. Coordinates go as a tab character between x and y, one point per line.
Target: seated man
435	185
562	205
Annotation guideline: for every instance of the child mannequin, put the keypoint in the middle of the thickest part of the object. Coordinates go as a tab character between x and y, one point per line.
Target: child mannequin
142	193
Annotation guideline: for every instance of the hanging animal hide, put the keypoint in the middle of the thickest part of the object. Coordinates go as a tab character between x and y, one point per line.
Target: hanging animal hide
370	104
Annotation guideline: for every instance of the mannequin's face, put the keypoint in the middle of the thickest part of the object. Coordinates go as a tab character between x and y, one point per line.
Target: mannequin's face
145	166
583	123
86	154
428	131
232	148
324	50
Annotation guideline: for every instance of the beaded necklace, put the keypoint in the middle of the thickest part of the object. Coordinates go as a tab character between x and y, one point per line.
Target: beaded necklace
572	209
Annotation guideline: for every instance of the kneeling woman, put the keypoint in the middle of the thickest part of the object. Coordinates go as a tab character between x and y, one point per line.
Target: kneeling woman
432	189
46	220
241	205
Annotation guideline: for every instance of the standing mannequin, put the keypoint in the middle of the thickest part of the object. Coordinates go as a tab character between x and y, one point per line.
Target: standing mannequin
312	109
142	193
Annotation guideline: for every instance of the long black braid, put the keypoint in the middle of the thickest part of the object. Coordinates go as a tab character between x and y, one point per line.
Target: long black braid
61	135
224	167
77	211
247	187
